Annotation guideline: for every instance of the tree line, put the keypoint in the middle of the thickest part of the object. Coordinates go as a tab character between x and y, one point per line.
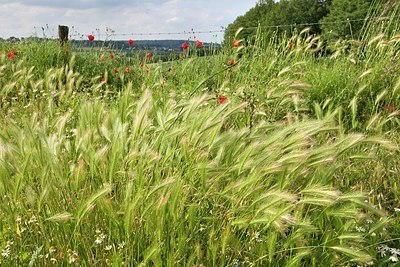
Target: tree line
332	19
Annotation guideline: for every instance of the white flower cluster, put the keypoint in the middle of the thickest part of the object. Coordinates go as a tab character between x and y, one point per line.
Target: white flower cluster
394	253
6	251
100	238
73	256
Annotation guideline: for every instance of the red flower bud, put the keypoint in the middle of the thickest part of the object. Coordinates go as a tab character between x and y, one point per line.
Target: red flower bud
10	55
199	44
222	99
236	43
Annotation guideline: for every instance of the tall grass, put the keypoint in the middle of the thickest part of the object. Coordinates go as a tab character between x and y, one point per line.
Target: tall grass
146	167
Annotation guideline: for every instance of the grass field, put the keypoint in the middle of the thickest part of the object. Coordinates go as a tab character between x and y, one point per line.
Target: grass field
267	154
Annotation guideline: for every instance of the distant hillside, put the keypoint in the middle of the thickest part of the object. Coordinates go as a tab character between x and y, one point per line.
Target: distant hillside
175	45
162	46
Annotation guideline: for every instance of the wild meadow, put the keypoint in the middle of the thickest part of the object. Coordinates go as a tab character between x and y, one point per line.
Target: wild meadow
275	152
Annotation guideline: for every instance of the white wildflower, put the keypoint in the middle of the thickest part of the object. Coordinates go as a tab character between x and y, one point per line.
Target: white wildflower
256	237
360	229
6	252
73	256
394	251
121	245
382	250
33	219
394	258
202	228
100	239
72	259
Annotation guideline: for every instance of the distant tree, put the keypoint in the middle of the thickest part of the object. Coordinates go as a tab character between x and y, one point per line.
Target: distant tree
252	18
302	13
346	18
268	13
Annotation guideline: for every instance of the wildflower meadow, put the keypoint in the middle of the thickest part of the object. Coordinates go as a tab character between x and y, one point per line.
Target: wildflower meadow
273	151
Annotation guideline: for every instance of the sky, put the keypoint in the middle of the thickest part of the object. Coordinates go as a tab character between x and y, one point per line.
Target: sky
24	18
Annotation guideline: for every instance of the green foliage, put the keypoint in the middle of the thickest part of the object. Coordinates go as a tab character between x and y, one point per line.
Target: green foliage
292	12
333	19
287	12
352	11
253	18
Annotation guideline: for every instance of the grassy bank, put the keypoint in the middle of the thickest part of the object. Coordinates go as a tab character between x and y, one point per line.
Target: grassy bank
267	154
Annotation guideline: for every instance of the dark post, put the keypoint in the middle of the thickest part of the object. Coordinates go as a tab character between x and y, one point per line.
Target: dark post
63	33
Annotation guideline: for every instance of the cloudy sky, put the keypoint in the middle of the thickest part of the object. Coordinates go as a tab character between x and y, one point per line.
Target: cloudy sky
23	18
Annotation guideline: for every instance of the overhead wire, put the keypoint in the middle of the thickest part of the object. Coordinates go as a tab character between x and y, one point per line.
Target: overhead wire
223	29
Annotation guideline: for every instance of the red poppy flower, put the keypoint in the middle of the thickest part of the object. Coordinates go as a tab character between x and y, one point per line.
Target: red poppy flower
127	70
149	55
11	55
115	71
131	42
231	62
112	56
290	44
90	37
142	65
185	46
199	44
236	43
222	99
103	80
390	107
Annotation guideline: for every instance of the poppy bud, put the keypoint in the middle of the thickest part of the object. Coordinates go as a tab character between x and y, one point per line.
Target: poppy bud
222	99
199	44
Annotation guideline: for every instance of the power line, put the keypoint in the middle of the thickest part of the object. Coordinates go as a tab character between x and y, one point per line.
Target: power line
156	33
222	30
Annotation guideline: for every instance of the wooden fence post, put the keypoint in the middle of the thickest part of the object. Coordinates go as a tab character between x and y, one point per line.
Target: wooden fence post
63	33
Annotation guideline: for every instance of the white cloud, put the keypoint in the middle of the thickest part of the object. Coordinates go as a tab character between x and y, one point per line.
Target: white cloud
86	16
173	19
